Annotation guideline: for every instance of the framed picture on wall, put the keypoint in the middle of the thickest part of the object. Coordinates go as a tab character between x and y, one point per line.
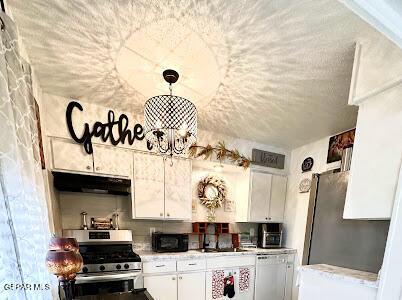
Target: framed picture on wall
337	143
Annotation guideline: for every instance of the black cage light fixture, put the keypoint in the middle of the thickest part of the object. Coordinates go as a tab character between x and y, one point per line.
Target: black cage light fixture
170	121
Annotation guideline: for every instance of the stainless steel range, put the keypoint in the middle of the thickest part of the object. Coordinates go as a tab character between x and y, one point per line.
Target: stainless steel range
110	265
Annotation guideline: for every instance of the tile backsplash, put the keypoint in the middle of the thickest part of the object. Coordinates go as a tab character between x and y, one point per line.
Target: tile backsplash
98	205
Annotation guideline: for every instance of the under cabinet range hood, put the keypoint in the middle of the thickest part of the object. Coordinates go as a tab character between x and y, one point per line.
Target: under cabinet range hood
70	182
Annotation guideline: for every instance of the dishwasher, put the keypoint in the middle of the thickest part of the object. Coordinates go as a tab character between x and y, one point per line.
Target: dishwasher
274	277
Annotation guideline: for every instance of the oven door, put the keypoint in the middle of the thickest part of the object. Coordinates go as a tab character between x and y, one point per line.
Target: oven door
107	283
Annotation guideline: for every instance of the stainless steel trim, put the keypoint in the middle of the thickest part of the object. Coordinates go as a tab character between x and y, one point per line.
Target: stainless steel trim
111	267
116	236
310	218
101	277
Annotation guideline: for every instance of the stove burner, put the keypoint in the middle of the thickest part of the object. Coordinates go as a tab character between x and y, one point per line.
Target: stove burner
102	254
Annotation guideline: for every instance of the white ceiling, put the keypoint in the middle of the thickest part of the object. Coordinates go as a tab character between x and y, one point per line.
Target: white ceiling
276	72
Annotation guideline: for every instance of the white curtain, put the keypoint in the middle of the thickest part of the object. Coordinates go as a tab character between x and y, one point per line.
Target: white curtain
24	229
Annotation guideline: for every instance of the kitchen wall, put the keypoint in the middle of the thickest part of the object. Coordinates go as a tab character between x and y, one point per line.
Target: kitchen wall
72	204
296	202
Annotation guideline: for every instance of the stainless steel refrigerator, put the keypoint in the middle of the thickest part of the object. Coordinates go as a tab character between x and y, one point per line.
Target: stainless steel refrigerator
330	239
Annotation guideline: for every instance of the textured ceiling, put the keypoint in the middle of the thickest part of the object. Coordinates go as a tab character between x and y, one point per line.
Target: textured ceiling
277	72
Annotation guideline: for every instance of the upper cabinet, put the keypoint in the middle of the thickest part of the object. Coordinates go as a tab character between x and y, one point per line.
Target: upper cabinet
377	153
266	198
112	161
260	196
149	198
178	189
69	156
162	188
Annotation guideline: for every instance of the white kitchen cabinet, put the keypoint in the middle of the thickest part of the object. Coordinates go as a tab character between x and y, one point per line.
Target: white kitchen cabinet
162	287
149	199
162	190
70	156
267	197
278	198
260	196
178	189
112	161
191	286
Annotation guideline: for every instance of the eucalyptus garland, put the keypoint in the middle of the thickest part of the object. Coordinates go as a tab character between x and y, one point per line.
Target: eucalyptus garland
221	153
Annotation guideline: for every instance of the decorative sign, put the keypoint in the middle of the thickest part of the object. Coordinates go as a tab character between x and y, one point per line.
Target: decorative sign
105	130
268	159
307	164
305	185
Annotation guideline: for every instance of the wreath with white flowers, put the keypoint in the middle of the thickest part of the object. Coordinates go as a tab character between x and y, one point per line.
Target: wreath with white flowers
214	199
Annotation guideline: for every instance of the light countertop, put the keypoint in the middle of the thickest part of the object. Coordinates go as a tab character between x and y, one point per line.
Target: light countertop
350	275
194	254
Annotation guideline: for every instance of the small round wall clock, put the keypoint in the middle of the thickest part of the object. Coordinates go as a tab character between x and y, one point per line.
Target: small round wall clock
305	185
307	164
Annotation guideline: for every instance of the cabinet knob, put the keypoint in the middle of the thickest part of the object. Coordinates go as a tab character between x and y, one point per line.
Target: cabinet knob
97	168
180	277
88	167
173	278
266	218
161	214
168	214
269	218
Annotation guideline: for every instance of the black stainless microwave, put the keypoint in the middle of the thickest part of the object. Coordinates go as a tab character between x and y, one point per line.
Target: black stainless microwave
169	242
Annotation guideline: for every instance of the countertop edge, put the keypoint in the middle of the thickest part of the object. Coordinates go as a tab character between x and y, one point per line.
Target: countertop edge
152	256
354	276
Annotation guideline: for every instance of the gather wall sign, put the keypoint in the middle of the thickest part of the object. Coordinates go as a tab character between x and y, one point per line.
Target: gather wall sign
105	130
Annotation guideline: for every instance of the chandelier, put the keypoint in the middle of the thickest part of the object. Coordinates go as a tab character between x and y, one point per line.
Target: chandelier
170	121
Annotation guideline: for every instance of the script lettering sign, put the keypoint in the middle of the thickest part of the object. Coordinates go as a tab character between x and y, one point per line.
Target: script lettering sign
268	159
104	130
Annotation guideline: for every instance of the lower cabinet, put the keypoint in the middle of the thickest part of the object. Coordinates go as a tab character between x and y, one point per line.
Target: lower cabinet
162	287
182	286
191	286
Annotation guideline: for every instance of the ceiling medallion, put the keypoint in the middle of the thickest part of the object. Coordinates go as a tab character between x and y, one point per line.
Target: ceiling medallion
170	121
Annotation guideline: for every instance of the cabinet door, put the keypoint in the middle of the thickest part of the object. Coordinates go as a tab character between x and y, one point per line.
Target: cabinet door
70	156
148	199
162	287
178	189
278	197
289	281
112	161
260	196
191	286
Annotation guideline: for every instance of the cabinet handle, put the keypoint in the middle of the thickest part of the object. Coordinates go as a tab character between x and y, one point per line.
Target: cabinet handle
160	266
161	214
88	167
173	278
192	264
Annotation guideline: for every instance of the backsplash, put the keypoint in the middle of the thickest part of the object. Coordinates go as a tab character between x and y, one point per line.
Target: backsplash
98	205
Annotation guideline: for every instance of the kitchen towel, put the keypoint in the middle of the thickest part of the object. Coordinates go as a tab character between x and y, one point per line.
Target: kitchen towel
218	283
244	279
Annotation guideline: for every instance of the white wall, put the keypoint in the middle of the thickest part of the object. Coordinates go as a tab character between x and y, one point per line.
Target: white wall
296	202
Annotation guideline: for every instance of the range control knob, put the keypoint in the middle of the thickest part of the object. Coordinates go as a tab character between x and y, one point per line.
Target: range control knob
126	266
85	269
118	267
102	268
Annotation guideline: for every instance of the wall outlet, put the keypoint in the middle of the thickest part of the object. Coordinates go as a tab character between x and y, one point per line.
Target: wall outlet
252	231
151	230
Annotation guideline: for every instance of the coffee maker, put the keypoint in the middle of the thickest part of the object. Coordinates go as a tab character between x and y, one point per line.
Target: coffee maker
270	235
